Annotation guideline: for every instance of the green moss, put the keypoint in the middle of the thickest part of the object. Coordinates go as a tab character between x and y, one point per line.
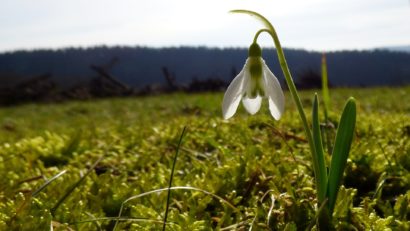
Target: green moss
258	165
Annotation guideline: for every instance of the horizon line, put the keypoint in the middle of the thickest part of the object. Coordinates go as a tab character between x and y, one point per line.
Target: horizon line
403	48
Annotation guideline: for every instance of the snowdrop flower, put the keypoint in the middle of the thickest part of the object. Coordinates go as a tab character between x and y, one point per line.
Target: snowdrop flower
253	83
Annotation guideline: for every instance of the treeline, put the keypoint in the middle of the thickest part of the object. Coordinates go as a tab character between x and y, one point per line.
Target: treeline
140	67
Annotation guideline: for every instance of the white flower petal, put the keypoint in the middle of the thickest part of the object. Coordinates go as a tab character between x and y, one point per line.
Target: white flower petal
233	95
274	93
252	105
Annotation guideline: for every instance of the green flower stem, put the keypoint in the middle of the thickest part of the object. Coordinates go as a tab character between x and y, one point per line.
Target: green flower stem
319	167
260	32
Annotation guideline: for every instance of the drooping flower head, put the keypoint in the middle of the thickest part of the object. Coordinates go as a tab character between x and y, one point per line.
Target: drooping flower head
254	82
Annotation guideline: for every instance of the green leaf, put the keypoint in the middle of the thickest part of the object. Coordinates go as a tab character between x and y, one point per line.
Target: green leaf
265	22
343	141
318	156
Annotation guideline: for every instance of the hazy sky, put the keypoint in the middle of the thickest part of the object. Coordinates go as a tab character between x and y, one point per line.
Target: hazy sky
310	24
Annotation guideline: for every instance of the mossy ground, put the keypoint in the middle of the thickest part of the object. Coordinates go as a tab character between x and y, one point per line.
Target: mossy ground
260	167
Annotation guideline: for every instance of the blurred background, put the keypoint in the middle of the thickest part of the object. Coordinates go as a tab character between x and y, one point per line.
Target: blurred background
58	50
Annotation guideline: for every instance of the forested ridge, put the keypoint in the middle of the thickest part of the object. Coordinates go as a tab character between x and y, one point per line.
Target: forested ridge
142	66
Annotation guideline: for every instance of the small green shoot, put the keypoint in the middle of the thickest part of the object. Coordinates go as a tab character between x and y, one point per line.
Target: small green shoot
327	133
325	88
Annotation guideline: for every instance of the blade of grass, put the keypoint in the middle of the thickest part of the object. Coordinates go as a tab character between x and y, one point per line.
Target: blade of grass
174	188
35	193
72	145
74	186
268	220
95	221
343	141
171	177
319	160
236	226
385	157
120	219
47	183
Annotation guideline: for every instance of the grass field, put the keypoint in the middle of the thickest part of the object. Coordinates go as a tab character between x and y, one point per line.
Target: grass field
246	172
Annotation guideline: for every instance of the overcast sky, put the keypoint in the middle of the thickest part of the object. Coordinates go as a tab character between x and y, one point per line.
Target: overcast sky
320	25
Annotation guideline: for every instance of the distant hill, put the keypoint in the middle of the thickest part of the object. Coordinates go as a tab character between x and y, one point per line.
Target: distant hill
141	66
397	48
